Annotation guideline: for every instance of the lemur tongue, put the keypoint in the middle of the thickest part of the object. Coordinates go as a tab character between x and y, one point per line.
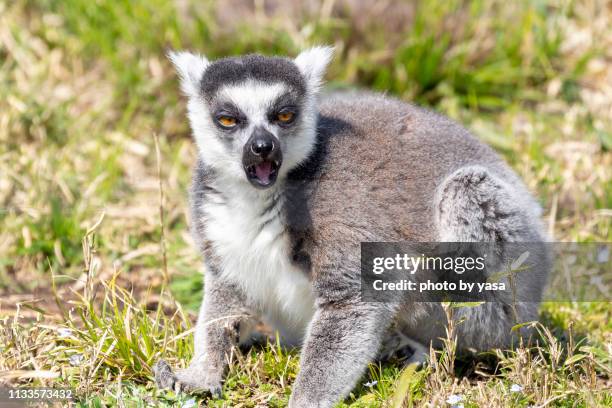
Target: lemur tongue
263	171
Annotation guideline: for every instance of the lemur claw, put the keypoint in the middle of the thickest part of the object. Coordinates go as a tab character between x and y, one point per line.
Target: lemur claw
164	377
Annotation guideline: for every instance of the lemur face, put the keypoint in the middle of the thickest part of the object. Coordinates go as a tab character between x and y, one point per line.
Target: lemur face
253	117
256	107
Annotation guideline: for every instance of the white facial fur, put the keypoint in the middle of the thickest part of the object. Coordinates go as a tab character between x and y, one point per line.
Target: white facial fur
254	99
223	152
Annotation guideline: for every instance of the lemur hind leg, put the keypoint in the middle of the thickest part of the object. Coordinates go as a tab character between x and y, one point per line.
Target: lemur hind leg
475	205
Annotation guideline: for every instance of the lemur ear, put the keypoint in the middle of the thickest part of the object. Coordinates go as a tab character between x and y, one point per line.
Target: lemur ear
190	68
312	64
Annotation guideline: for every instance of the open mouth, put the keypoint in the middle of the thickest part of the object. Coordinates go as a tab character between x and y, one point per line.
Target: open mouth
264	173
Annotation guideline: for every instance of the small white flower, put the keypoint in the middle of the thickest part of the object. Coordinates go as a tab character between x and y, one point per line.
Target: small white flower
75	359
370	384
63	332
457	406
189	404
516	388
454	399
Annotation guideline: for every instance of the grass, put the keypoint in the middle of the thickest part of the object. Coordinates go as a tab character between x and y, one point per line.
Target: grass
84	87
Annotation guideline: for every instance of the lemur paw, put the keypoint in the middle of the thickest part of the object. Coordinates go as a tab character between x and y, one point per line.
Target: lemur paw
189	380
403	349
194	380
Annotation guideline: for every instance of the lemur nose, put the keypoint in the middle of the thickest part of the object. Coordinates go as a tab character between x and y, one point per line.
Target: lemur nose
262	146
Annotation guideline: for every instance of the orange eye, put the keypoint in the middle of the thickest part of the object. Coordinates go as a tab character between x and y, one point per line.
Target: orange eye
227	121
285	116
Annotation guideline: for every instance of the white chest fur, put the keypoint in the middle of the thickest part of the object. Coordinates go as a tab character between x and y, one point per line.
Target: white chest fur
256	254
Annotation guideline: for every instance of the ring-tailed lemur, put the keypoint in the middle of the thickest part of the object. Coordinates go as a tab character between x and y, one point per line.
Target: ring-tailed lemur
290	181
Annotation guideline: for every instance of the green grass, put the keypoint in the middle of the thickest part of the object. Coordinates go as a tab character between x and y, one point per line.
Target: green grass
85	85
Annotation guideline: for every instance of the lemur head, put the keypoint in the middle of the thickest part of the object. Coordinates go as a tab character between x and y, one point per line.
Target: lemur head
253	117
